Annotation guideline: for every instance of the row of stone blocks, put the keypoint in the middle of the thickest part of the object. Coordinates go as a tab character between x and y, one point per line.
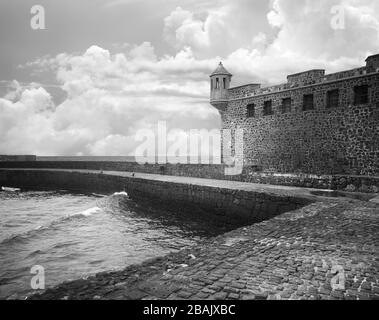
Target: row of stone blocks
231	206
351	183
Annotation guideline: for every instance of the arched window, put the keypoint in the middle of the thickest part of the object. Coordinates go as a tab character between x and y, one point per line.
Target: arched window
224	82
217	83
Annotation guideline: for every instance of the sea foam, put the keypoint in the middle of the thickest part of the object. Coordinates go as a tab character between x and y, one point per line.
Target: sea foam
122	193
88	212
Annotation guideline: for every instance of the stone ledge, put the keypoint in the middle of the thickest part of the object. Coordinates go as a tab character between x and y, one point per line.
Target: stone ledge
350	183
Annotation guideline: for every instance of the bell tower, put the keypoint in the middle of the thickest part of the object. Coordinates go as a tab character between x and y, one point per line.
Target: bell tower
220	83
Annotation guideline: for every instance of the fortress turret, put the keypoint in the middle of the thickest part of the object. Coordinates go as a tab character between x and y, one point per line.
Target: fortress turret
372	63
220	83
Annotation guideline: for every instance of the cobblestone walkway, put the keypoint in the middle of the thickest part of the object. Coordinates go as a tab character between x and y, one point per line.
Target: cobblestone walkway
327	250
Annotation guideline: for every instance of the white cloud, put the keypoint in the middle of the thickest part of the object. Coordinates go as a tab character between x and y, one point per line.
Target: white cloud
301	37
215	31
15	91
182	29
112	95
274	17
306	28
109	98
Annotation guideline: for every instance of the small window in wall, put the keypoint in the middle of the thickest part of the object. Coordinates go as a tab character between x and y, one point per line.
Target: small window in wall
267	108
286	105
251	110
224	83
361	95
333	99
308	102
211	84
217	83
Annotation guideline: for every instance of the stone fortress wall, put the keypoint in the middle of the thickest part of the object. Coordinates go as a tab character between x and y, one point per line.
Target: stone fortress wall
314	123
350	183
231	206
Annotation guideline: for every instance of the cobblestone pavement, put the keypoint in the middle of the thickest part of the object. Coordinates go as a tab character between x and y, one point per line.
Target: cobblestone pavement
327	250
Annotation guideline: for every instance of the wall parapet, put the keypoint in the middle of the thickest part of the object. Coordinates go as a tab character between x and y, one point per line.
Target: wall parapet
351	183
246	92
231	206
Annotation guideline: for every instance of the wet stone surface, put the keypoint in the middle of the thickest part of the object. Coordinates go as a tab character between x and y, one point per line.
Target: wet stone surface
326	250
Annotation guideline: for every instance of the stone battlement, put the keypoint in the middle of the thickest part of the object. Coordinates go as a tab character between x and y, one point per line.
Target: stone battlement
315	123
296	81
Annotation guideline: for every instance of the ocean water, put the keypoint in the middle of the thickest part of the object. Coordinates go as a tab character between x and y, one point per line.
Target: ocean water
76	235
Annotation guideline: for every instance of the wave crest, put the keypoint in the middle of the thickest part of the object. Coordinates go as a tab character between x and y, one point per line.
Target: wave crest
49	226
112	203
122	193
87	213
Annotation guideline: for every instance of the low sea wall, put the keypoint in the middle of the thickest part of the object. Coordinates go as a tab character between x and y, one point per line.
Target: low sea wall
4	157
233	206
351	183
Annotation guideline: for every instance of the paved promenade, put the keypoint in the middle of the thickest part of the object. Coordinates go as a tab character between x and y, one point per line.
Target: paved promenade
326	250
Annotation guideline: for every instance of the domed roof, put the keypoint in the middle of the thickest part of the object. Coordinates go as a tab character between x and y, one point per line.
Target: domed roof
220	70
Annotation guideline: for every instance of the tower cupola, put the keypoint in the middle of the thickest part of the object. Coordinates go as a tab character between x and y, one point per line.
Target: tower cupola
220	83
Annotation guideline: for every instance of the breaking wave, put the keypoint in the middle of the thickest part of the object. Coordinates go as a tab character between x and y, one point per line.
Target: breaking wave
122	193
88	212
50	226
104	204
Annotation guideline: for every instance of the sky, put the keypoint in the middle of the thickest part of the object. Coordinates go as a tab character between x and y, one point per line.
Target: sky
101	71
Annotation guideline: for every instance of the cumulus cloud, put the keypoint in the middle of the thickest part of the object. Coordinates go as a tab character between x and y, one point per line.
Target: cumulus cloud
109	98
301	36
306	28
216	30
111	95
181	28
15	91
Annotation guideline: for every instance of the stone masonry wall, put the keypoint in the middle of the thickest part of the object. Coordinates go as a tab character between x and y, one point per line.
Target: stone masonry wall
227	205
341	140
352	183
307	77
